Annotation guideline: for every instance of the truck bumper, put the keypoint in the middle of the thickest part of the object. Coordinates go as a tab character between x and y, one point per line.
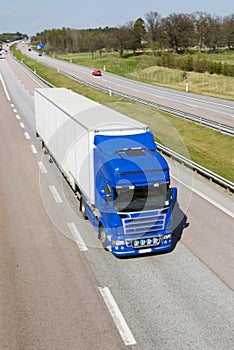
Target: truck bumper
129	250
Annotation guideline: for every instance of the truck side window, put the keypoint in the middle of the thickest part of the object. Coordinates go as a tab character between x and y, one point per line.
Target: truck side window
107	189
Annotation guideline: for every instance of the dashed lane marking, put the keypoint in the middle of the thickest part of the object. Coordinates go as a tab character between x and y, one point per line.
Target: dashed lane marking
77	236
26	134
118	318
42	167
33	149
55	194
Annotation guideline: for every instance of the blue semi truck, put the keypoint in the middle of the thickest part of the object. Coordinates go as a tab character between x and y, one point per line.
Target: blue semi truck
112	163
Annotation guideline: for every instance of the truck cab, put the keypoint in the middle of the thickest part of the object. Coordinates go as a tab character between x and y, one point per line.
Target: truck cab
133	194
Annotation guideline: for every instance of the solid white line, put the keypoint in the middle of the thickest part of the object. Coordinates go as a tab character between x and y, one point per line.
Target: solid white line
42	168
117	316
213	202
22	125
55	194
77	237
26	134
33	149
4	87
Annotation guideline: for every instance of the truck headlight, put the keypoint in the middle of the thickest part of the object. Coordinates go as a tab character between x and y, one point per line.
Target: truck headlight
118	242
167	236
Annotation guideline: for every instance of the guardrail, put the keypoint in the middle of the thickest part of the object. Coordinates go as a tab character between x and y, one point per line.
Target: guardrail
172	154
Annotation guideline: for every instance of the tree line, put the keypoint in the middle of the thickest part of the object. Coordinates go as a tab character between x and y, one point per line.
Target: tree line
9	37
176	32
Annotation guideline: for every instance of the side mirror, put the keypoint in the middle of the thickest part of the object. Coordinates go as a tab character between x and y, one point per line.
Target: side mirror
173	194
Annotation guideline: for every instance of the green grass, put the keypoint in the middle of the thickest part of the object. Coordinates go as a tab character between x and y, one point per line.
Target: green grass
224	56
207	147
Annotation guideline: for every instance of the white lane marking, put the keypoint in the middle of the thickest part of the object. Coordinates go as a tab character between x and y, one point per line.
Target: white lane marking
4	87
14	110
33	149
77	237
12	105
190	105
42	167
17	116
213	202
22	125
55	194
117	316
26	134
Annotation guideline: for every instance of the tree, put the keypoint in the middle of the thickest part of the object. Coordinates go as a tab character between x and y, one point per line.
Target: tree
139	33
179	29
214	33
124	38
201	24
153	22
228	31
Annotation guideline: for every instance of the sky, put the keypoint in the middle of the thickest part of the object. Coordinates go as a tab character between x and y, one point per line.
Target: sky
33	16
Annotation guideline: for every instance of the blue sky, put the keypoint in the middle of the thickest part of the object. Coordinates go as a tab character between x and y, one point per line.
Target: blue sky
33	16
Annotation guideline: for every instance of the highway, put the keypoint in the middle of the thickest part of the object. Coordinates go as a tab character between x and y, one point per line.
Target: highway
221	111
61	290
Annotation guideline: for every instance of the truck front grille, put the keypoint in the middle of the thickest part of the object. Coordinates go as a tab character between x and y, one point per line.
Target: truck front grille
144	222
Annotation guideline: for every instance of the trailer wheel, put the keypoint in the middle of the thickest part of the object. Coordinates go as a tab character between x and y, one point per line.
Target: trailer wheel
102	236
83	208
44	149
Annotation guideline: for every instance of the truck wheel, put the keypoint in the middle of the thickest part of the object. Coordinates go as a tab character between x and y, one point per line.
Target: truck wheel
102	237
83	209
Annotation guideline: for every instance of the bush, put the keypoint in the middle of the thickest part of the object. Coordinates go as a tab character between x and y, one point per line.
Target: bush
200	64
227	70
186	63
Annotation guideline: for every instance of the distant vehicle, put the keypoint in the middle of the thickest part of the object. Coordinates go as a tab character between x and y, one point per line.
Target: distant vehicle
97	73
2	55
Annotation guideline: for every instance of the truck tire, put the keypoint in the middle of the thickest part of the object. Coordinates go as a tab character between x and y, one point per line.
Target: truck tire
83	208
102	236
44	149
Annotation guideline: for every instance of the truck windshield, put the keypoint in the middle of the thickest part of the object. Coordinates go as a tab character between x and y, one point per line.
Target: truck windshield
141	198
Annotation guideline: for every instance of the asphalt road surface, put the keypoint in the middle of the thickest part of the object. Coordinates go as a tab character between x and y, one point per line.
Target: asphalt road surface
60	290
49	295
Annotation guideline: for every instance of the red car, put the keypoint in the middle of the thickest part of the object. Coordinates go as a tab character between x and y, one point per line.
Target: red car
97	73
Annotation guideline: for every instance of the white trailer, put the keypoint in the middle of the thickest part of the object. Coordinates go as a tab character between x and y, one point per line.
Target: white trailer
67	123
